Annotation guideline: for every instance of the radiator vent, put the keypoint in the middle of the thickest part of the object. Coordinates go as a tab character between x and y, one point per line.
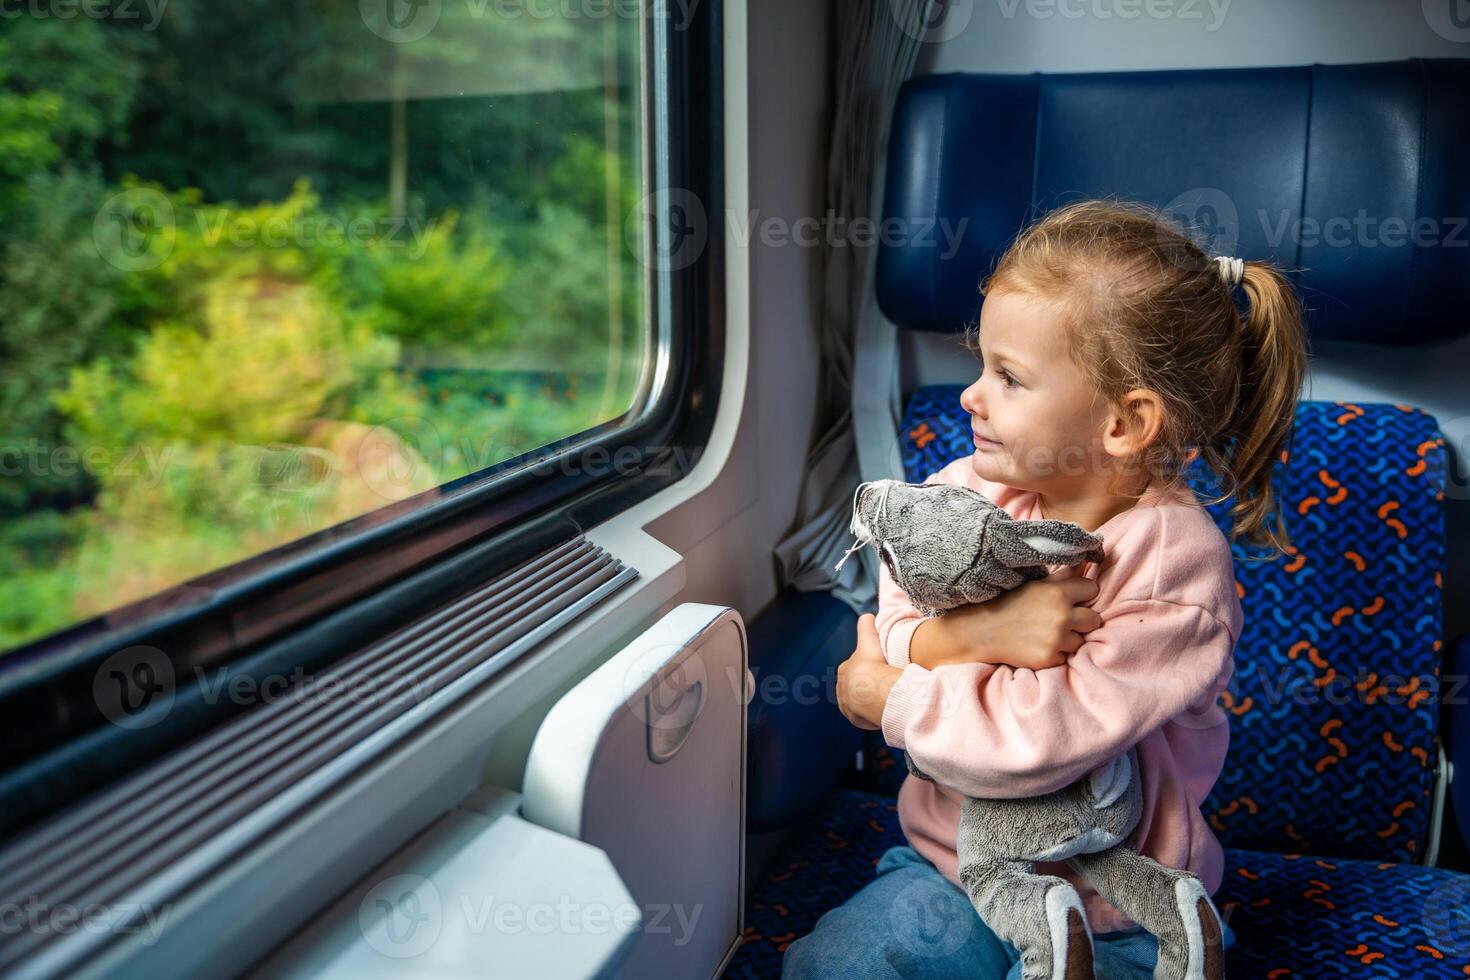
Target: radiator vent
139	845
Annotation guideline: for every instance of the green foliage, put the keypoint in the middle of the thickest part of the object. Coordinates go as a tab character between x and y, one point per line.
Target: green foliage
265	357
433	284
215	337
59	305
27	140
89	71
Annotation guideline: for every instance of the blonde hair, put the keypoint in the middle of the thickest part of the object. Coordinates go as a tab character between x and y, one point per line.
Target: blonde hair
1146	307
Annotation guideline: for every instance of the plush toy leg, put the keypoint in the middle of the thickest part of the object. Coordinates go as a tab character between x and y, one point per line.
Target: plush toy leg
1171	904
1040	915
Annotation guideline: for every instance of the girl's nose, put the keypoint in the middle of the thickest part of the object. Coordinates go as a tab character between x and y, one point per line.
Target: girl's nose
971	400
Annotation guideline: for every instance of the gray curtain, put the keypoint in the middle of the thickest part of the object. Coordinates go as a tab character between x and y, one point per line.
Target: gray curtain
878	43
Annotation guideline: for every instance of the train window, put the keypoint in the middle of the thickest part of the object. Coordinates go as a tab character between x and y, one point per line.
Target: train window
271	268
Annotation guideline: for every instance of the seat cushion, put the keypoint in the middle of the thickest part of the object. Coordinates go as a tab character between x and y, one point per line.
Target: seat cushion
1301	916
1335	729
1293	915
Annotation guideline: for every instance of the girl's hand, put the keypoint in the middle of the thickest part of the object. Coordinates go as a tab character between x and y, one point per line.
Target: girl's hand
1036	625
865	678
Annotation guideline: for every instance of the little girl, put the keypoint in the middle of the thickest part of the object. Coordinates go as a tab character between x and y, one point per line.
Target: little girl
1113	354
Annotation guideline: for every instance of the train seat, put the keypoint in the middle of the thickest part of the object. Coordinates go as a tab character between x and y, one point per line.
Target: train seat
1331	798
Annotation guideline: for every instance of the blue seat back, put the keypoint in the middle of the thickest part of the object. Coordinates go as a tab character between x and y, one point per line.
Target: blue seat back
1353	174
1334	704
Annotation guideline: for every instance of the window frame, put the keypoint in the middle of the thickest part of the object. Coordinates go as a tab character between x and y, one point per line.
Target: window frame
237	615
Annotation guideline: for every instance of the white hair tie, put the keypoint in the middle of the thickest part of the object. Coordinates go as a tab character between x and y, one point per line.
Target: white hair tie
1232	269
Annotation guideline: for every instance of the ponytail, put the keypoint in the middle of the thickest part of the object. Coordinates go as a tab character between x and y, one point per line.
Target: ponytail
1273	365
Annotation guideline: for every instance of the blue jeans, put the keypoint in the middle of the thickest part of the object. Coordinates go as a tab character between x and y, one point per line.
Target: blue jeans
911	922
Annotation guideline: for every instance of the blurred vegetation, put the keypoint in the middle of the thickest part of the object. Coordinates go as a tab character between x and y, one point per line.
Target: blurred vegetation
262	271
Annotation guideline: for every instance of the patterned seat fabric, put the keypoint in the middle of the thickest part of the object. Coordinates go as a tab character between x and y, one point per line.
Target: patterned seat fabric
1293	915
818	870
1334	736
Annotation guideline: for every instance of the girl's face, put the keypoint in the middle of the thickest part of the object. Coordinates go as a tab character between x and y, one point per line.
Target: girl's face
1037	421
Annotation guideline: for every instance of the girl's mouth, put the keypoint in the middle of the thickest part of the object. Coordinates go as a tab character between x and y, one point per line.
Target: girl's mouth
983	443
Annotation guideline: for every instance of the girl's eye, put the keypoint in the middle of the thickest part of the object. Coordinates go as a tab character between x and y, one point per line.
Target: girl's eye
1008	378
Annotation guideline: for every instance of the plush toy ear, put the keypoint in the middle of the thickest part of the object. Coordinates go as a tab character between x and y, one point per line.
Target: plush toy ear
1024	543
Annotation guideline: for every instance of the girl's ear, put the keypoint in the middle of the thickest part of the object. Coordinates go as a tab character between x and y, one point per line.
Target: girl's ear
1133	427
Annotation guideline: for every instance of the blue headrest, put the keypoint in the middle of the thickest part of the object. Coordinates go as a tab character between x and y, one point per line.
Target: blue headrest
1354	174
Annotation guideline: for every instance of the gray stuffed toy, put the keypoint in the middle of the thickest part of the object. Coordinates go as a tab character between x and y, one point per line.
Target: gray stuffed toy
948	545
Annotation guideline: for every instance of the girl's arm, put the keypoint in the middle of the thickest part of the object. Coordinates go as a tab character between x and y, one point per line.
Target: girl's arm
1032	626
991	731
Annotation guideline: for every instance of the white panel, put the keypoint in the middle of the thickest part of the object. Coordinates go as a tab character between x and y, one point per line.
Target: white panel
645	759
479	894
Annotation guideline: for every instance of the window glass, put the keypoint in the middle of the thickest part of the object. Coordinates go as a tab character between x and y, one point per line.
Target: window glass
270	265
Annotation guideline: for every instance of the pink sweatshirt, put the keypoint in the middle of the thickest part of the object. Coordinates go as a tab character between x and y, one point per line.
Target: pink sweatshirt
1150	675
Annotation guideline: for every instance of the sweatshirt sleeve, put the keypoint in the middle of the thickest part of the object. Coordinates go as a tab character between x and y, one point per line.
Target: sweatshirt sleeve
897	619
1003	732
